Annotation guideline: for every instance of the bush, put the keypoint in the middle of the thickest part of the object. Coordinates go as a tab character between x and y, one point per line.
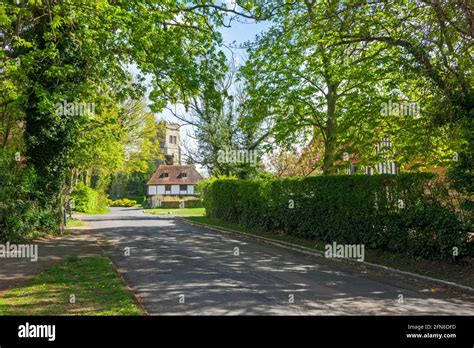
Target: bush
23	213
125	202
88	200
192	203
400	213
138	199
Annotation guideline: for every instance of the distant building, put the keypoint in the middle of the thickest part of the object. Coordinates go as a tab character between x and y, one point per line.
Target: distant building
171	144
383	149
172	183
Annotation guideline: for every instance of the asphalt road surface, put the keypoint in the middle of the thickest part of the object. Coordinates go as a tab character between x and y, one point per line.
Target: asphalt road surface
178	269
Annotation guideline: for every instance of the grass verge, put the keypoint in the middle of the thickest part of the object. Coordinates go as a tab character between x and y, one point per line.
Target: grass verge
168	211
461	274
98	212
71	222
97	288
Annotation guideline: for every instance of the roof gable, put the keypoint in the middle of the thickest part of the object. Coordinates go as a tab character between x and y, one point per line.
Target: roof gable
175	175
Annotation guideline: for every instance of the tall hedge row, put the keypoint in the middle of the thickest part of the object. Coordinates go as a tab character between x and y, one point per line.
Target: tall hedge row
405	213
190	203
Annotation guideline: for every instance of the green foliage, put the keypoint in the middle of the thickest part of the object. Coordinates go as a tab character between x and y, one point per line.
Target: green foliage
403	213
216	115
461	174
144	138
191	203
125	202
309	89
319	76
71	222
88	200
75	51
21	213
138	199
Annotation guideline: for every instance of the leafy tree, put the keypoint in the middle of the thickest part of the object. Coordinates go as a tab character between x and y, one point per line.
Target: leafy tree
303	87
432	40
216	115
317	76
141	145
144	136
78	50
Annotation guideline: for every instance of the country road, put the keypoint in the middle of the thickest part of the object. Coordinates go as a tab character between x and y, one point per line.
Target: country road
178	269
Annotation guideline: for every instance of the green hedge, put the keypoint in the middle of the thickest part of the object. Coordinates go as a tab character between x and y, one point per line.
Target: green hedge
192	203
403	213
88	200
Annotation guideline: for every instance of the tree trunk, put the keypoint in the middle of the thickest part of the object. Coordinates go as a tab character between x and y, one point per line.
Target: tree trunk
85	177
330	131
61	213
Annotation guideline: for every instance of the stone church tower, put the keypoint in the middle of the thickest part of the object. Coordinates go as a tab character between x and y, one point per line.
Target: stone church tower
171	146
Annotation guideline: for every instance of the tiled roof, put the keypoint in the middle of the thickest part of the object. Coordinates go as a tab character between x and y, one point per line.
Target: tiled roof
175	176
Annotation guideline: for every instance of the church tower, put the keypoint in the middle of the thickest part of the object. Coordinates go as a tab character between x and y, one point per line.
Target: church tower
171	146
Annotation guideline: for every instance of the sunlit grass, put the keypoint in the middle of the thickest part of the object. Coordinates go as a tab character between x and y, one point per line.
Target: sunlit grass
97	212
183	211
74	223
97	288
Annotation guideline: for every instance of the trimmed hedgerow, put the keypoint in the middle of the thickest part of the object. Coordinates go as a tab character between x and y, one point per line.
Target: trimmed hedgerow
190	203
402	213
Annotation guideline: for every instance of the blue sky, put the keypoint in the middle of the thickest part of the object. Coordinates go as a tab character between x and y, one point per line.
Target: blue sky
241	32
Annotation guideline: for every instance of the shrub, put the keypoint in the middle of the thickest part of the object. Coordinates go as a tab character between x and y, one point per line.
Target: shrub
138	199
23	213
170	205
88	200
124	202
191	203
400	213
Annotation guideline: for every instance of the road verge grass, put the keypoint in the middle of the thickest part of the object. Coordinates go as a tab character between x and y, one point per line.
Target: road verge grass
71	222
78	286
171	211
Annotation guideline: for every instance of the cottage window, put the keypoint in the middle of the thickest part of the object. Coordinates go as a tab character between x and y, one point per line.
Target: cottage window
183	187
167	187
